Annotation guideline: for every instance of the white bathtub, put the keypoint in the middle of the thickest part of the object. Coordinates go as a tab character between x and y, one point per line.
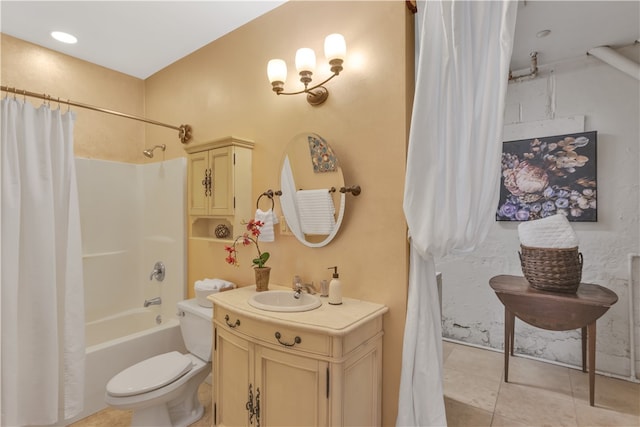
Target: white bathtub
119	341
126	324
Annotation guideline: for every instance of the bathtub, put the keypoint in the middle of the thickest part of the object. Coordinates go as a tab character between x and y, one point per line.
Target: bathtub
119	341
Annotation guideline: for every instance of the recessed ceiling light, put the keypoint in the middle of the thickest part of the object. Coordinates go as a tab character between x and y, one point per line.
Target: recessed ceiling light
543	33
64	37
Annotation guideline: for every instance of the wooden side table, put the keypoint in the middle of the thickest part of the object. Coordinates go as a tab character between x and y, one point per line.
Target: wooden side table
554	311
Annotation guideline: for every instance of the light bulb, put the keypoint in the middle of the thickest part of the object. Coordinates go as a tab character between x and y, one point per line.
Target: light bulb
335	47
277	70
305	60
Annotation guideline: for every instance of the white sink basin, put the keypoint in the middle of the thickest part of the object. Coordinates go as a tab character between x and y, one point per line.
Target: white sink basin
284	301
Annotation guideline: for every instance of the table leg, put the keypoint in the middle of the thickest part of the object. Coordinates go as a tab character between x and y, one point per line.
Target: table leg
591	337
513	332
508	339
584	349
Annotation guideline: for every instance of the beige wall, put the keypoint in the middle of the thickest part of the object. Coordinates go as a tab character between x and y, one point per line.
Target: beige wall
97	135
222	89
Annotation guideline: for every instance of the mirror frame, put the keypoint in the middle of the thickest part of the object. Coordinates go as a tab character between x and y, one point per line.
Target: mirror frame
287	204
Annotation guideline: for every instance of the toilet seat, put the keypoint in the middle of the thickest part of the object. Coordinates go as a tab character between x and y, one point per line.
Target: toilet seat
150	374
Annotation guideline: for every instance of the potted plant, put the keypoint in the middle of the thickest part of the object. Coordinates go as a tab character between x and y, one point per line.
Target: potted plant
251	237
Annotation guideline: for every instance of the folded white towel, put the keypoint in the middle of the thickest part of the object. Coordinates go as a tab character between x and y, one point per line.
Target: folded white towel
269	218
551	232
204	288
212	285
317	212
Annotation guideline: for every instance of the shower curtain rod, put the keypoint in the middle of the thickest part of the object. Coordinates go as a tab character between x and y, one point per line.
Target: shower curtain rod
184	130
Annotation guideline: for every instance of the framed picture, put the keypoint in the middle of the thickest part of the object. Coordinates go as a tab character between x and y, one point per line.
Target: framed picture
545	176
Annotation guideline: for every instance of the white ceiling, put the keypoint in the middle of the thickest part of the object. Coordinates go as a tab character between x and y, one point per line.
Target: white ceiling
140	38
137	38
576	27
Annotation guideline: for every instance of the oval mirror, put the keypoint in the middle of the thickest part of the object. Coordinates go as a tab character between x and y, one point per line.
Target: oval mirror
310	181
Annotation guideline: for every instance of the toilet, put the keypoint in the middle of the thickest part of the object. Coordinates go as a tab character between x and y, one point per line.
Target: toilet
163	390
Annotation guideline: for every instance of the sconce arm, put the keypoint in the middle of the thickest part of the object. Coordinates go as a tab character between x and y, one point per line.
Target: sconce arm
307	89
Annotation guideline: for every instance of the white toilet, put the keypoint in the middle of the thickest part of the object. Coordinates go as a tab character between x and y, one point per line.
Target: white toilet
163	390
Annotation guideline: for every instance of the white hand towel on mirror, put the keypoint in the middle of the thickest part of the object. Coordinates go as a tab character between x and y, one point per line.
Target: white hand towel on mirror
317	212
269	218
551	232
288	198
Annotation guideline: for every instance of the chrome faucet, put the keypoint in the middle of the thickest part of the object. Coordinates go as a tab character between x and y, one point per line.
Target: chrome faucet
158	271
153	301
309	288
299	287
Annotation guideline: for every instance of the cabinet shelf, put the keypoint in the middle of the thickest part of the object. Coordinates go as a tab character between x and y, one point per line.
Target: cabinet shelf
213	239
205	228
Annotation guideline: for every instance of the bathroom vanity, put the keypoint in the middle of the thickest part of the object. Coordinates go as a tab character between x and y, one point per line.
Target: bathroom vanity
321	367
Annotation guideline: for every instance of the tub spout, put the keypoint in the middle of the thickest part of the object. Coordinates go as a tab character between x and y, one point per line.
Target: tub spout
153	301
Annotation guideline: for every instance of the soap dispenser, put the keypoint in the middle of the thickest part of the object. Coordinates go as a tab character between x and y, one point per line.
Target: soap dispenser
335	288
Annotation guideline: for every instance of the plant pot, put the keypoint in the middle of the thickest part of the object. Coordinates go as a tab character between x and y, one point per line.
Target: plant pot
262	278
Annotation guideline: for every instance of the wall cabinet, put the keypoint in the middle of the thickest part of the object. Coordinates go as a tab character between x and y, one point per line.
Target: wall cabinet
319	368
219	186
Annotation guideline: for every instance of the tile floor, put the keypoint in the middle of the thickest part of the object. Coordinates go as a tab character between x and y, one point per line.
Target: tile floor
538	394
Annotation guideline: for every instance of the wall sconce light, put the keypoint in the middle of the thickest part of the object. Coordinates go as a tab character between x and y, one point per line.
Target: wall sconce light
335	50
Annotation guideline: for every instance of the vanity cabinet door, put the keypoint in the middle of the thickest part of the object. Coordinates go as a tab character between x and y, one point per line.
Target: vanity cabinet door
232	372
293	389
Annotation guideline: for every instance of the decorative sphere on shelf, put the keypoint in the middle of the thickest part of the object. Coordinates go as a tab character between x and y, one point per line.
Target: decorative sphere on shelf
222	231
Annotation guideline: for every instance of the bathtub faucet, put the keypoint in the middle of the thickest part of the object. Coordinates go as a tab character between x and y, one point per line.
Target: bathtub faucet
153	301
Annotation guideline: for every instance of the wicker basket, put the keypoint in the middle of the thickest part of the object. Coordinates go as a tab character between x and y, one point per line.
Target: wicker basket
552	269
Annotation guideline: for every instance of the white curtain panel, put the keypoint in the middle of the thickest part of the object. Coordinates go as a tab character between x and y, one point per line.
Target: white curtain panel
42	290
453	171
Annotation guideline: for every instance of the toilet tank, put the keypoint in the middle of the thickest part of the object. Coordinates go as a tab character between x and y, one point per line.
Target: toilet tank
197	328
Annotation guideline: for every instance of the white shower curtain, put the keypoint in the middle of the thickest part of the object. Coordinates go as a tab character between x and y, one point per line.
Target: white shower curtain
453	171
42	291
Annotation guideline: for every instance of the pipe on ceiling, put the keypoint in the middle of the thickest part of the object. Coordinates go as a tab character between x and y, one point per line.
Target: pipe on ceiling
616	60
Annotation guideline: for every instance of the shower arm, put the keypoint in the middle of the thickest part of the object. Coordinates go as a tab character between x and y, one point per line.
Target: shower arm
149	152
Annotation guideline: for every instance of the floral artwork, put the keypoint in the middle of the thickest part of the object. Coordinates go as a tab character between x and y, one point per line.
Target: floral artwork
322	156
546	176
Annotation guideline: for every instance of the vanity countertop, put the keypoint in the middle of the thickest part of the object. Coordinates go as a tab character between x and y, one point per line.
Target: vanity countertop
332	319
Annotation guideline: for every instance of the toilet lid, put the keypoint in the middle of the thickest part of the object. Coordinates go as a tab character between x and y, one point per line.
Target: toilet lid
150	374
